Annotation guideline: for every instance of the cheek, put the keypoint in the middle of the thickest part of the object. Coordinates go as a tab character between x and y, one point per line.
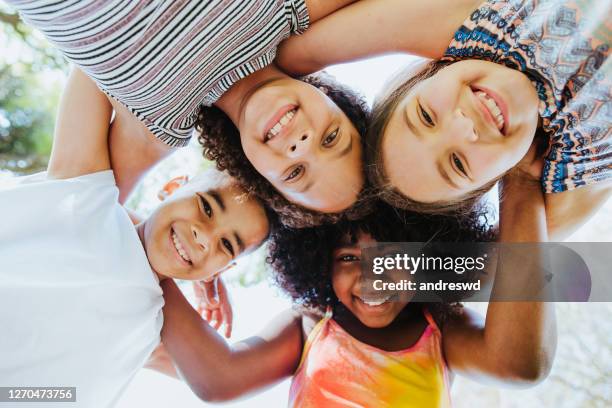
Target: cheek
262	159
344	280
441	92
491	162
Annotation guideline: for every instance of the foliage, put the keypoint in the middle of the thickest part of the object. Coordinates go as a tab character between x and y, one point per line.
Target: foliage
31	73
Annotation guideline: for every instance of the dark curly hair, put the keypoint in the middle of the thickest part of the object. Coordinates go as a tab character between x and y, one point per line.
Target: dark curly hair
221	141
301	259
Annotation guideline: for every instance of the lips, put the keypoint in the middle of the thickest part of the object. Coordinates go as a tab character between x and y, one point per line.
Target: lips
278	122
493	107
182	255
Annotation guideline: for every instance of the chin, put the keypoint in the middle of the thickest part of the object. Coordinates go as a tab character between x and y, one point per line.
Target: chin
377	323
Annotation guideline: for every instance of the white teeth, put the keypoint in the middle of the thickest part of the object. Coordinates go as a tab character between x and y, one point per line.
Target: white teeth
493	109
179	247
276	129
374	302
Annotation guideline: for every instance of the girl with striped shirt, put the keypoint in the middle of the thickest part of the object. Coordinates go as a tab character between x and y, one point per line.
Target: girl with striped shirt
160	61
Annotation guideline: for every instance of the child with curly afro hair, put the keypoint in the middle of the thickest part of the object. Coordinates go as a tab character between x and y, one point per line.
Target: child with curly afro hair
222	144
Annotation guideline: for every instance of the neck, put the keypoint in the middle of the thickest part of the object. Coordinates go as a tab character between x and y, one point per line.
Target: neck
140	230
403	332
233	101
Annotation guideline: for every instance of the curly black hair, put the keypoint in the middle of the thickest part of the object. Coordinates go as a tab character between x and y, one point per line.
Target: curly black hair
301	259
221	141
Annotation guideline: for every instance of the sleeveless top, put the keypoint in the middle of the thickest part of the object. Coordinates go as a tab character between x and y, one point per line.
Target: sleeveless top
563	47
337	370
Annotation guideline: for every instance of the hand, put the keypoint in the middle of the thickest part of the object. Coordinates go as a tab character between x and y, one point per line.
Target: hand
526	174
531	165
213	304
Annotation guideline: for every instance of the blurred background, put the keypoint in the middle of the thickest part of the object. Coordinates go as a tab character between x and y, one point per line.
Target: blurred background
31	79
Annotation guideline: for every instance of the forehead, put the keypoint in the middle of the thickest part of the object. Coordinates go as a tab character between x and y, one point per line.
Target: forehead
362	239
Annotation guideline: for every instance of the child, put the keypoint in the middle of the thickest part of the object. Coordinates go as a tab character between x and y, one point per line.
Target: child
79	284
164	62
515	73
368	352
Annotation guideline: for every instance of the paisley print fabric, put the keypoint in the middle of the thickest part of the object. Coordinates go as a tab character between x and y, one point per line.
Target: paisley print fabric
563	47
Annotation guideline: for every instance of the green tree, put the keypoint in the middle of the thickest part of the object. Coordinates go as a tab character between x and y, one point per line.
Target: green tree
30	78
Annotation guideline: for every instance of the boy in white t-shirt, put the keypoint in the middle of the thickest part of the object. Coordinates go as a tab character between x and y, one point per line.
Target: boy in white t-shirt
80	302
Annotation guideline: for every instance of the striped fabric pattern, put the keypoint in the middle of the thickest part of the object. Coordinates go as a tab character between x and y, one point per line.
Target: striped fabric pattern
163	58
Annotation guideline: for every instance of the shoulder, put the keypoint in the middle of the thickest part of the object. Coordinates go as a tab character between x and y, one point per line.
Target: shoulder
308	318
464	318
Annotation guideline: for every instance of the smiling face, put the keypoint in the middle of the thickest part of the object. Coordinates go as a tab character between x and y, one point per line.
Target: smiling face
303	144
374	309
458	130
205	225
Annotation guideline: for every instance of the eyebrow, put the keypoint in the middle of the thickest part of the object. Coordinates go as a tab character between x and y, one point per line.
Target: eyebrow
239	242
445	175
217	197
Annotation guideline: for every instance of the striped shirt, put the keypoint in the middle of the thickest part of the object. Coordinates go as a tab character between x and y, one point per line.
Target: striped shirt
563	47
162	59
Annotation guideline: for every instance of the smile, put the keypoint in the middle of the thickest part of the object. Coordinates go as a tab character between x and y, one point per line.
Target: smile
179	248
373	302
494	106
278	123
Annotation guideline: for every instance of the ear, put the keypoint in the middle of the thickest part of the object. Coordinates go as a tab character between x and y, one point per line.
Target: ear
171	186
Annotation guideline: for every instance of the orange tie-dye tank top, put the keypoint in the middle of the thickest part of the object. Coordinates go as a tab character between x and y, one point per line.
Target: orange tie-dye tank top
338	370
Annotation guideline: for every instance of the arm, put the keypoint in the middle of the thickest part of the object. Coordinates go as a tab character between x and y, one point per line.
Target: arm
317	9
516	343
161	361
373	27
566	212
80	144
216	371
133	149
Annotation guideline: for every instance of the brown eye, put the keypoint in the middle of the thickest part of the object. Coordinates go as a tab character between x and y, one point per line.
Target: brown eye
458	164
206	206
228	245
329	139
429	121
294	173
348	258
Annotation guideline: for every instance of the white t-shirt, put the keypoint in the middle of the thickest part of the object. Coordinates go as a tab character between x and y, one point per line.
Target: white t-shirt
79	304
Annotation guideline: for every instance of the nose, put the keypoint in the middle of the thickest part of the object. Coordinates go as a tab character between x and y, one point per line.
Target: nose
299	145
462	127
200	237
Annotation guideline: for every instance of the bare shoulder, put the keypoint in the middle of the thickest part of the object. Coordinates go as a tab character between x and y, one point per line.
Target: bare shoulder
309	319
